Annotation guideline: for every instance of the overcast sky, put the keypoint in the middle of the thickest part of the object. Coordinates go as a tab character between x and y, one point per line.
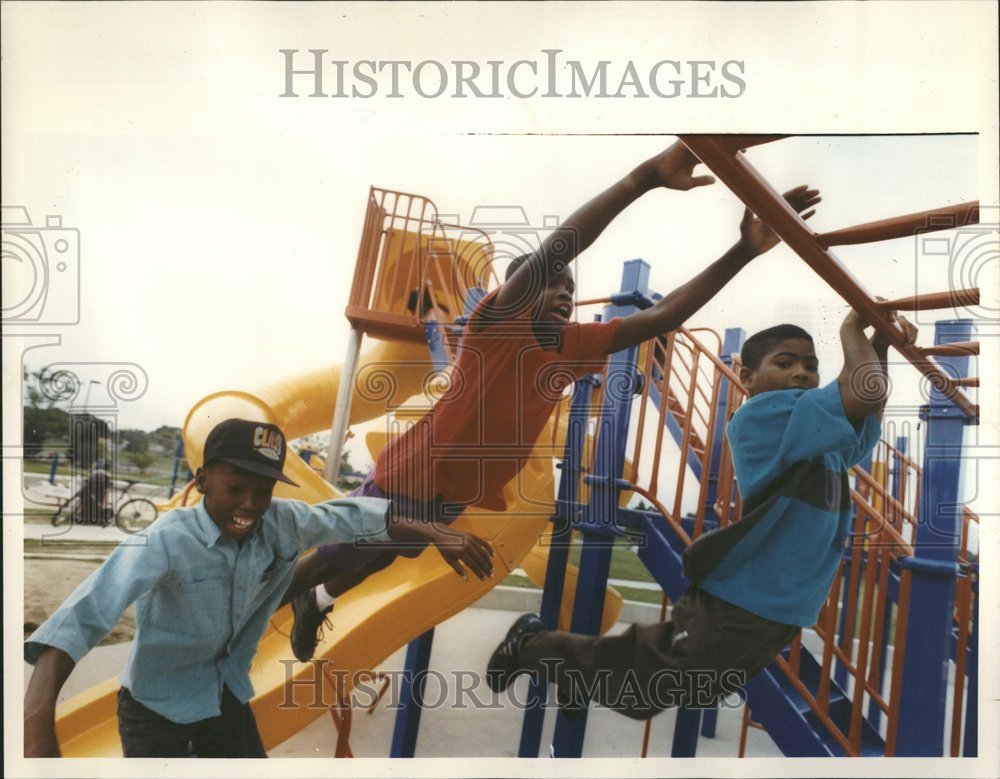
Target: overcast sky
219	222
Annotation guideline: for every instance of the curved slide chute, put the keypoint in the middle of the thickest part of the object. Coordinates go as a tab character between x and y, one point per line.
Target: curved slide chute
387	610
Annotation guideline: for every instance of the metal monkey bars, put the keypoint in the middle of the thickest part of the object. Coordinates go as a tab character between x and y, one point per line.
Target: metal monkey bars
723	155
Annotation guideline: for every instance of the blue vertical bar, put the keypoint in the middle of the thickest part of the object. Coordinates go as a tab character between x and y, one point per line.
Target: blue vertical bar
435	344
54	468
576	432
178	456
411	696
933	566
418	652
595	559
732	342
685	743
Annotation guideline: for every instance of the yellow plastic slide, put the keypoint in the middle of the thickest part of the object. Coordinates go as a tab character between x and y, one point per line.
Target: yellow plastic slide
386	611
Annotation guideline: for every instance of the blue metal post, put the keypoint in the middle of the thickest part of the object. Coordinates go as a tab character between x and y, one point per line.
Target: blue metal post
732	342
411	696
933	565
178	456
600	524
534	714
685	743
52	470
418	653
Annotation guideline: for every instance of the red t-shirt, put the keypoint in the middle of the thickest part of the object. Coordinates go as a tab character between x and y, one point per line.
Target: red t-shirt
504	387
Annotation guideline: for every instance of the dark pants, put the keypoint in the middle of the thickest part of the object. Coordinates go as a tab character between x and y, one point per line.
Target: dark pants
145	733
374	557
708	649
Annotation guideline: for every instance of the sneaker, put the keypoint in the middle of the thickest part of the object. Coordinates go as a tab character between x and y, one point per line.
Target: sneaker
505	664
307	629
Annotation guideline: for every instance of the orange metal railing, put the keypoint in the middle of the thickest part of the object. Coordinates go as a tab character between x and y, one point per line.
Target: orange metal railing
413	268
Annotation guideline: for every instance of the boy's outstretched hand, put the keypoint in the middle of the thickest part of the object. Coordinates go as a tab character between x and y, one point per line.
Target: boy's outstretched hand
757	237
674	169
462	551
465	551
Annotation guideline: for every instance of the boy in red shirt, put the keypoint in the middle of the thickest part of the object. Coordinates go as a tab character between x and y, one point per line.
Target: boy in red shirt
519	348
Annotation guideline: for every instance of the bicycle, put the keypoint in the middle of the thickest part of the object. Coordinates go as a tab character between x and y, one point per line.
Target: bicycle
89	507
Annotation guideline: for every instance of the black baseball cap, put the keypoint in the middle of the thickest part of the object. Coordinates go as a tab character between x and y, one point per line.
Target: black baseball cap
258	447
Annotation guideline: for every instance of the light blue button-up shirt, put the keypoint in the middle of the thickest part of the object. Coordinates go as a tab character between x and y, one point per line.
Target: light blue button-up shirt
202	600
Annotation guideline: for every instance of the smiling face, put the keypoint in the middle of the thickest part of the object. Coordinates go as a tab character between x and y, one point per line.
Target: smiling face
790	364
235	499
555	305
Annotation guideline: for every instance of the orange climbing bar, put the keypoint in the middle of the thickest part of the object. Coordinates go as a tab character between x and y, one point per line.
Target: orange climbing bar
954	349
739	142
932	301
746	183
904	226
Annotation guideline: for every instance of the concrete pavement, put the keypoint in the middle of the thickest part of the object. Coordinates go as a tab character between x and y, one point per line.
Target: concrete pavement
463	718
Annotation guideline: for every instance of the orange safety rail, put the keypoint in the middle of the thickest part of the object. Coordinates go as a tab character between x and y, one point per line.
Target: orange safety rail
413	268
687	375
724	156
899	509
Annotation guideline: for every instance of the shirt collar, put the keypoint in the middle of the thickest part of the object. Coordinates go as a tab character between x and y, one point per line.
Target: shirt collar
207	525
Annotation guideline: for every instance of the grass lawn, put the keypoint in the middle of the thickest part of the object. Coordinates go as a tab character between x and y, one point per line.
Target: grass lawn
159	472
625	564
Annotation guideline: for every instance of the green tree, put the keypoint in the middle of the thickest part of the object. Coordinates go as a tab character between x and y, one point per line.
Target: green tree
141	460
134	441
42	421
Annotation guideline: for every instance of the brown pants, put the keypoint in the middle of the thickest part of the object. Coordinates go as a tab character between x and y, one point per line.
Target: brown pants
709	649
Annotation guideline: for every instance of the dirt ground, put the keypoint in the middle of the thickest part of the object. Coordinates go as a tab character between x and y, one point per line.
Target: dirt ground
48	582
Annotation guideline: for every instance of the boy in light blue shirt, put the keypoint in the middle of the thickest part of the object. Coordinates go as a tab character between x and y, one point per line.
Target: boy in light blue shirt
206	580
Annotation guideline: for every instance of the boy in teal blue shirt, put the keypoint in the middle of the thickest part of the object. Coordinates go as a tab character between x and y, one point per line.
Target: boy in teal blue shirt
758	582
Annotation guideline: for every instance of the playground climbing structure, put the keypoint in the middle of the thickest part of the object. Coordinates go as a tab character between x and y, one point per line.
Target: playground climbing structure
871	678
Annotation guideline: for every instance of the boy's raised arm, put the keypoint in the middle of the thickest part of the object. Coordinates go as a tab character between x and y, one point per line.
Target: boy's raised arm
864	379
51	672
672	168
674	309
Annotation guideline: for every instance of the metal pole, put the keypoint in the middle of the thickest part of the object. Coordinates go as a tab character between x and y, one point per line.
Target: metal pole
920	731
601	511
342	411
178	454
